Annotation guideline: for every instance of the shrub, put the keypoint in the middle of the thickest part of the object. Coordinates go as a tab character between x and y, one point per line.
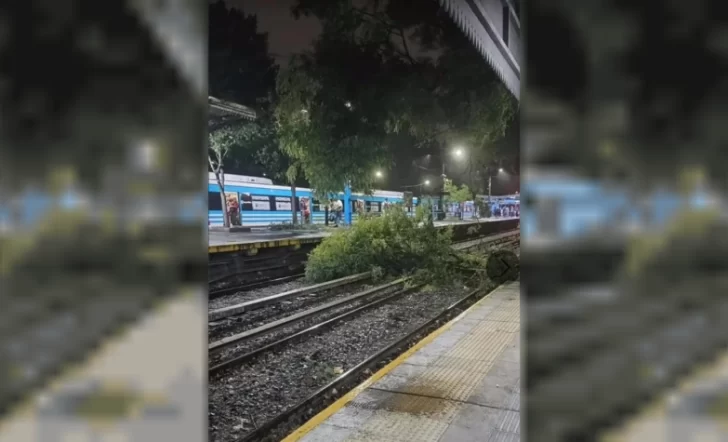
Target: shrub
393	244
286	226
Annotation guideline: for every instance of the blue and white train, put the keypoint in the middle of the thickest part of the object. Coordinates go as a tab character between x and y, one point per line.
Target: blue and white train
263	203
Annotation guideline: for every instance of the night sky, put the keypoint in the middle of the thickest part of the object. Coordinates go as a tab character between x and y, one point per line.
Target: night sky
287	36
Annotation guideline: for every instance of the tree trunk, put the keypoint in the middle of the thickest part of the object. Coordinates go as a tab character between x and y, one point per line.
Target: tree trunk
294	212
220	177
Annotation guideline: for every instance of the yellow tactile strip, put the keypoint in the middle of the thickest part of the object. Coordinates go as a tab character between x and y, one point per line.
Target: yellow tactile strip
237	247
424	409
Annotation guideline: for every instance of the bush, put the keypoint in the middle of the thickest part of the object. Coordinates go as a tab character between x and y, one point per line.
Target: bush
393	244
286	226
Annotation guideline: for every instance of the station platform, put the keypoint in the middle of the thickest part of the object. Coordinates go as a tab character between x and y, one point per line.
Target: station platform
224	242
459	384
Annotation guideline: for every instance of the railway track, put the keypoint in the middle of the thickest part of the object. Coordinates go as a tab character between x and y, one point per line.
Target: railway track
286	310
275	337
316	327
287	326
290	418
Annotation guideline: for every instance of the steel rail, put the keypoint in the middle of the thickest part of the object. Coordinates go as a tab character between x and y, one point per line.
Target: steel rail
308	331
243	307
298	317
253	285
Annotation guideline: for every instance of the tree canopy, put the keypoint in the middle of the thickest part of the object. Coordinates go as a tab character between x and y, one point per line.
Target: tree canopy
240	66
384	74
241	70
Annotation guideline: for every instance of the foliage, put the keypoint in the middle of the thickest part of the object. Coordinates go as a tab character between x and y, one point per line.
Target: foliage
238	140
458	194
384	76
242	70
395	245
333	140
290	226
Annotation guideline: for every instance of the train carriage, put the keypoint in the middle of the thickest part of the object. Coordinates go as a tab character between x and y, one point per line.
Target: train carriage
263	203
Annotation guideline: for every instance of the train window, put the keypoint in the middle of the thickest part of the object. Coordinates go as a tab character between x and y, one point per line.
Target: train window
213	201
282	203
257	202
246	202
372	206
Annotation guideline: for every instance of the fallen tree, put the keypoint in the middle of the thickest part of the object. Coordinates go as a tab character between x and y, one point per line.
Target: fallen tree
394	244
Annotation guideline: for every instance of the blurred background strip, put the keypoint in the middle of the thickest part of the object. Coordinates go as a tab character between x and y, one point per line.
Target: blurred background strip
102	238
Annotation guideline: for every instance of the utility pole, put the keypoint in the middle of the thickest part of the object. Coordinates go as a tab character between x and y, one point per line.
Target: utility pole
444	187
443	175
489	187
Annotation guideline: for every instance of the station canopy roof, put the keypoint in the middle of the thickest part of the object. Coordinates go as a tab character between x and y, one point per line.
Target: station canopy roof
221	112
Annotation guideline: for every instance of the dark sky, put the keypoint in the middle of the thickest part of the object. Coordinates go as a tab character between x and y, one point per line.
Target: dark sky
286	35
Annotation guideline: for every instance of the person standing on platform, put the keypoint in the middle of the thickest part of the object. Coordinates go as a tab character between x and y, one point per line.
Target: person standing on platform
233	211
338	210
305	211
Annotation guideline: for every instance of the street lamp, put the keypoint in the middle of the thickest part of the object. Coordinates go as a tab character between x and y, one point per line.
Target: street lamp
378	173
458	152
490	176
427	182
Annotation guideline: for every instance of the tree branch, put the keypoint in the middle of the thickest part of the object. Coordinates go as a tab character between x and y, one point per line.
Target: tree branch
212	166
406	46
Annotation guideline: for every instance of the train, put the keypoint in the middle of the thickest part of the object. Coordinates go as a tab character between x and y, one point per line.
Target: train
263	203
567	207
469	208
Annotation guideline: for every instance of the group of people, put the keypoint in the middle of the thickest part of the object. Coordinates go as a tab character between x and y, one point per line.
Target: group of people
508	211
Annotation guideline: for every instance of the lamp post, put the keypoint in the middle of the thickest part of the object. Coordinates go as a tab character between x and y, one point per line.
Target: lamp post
458	153
490	177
